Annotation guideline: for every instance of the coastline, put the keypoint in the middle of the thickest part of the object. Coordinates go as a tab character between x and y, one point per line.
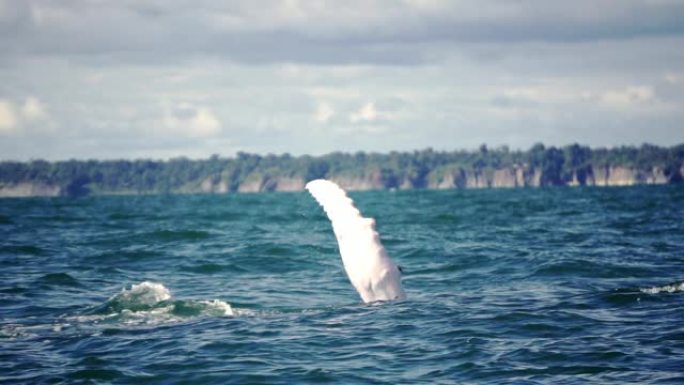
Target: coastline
508	177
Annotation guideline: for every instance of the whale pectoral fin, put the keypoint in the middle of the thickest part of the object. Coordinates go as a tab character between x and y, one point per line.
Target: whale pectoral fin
365	260
365	292
388	285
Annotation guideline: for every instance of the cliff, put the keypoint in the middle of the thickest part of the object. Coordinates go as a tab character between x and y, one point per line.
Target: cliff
271	183
508	177
623	176
29	189
522	176
572	165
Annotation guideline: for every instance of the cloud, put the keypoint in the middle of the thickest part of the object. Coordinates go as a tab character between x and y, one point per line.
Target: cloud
627	97
383	32
187	120
8	117
674	78
268	76
324	112
33	109
13	117
367	113
367	119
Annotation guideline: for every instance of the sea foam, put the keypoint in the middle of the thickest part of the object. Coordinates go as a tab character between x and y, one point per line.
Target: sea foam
671	288
152	303
143	294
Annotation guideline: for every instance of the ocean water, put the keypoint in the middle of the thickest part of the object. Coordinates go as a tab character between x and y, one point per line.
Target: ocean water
538	286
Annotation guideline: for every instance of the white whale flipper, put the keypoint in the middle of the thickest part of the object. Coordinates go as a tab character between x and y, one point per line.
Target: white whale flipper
368	266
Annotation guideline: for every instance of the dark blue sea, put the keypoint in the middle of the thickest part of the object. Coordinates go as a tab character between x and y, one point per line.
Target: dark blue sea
520	286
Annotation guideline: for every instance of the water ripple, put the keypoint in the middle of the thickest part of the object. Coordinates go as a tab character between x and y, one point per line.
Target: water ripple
540	286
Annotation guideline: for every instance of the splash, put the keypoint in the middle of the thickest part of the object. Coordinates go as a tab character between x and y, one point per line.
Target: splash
671	288
152	303
140	296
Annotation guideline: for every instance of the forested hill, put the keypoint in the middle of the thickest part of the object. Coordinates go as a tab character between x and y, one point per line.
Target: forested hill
481	168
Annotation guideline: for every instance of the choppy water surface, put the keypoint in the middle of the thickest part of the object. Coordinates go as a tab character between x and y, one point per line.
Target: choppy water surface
504	286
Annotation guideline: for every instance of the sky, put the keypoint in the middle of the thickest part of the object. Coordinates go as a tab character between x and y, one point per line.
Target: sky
96	79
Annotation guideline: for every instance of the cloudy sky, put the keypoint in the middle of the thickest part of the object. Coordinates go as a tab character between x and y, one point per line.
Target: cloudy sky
164	78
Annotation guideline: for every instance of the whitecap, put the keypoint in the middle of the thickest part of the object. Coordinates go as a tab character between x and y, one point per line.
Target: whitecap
151	303
144	293
223	308
671	288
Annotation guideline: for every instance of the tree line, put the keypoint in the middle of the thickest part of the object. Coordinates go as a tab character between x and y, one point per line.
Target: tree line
558	165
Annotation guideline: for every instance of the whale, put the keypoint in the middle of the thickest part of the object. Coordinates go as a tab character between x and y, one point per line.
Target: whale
370	269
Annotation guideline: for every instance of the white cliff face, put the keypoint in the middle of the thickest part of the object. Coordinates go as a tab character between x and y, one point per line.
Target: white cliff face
28	189
211	186
250	186
510	177
476	179
507	177
520	179
625	176
657	176
620	176
459	178
362	183
446	182
535	178
267	183
289	184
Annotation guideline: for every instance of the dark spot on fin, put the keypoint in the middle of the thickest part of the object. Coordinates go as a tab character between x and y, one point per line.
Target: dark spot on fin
401	269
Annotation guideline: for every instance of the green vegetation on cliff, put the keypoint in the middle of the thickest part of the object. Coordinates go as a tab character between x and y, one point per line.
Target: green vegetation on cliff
484	167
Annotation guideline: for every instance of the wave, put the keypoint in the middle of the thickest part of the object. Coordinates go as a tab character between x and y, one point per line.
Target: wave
210	268
670	288
178	235
22	250
6	220
152	303
59	279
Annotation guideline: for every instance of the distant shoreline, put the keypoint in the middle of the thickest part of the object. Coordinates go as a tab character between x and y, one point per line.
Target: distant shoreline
572	165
